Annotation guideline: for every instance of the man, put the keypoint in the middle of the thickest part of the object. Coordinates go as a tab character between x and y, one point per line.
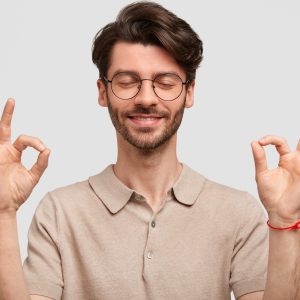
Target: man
149	227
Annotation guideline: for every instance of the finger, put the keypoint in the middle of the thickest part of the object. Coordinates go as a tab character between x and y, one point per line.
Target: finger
40	166
298	146
5	122
24	141
259	156
279	142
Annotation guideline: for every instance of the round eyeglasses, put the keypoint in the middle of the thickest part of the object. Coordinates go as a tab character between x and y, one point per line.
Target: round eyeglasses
126	85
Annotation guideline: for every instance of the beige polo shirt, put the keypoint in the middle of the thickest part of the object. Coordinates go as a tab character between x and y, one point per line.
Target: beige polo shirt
98	239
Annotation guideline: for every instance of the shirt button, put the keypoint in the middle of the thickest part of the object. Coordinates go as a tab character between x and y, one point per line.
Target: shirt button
153	224
149	254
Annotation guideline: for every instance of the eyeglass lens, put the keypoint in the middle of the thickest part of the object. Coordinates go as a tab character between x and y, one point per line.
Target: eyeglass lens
166	86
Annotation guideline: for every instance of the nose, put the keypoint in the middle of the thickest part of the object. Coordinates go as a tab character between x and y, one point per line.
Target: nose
146	95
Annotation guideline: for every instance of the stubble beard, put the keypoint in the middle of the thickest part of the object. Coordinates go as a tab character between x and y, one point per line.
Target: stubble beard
144	139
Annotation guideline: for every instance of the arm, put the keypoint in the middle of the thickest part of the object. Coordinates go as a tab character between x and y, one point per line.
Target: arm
283	267
12	280
283	277
16	185
279	191
13	285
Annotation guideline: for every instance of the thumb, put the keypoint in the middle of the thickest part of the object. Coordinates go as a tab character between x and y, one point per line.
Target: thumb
41	164
298	145
259	156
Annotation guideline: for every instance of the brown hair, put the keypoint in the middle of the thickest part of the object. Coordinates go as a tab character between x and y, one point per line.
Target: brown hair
149	23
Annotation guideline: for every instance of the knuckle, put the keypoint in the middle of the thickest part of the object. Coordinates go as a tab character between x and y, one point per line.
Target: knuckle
38	141
22	137
35	140
283	142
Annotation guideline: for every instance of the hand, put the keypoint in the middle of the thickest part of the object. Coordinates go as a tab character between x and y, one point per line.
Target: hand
278	189
16	182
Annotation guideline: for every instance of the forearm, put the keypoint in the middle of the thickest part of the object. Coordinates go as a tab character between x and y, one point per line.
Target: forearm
283	277
12	280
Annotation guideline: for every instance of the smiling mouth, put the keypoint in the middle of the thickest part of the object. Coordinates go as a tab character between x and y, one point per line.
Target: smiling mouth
145	120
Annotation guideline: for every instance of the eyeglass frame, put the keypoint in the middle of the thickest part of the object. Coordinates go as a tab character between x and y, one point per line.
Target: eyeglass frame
141	81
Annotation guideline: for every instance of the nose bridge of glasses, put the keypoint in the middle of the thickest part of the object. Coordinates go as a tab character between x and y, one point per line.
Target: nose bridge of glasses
141	83
146	79
147	93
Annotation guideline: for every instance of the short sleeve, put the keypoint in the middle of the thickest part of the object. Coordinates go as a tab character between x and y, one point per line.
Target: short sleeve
250	254
42	267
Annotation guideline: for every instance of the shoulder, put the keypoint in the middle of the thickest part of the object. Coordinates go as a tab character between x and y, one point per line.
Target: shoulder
224	193
72	191
225	198
210	187
69	197
231	213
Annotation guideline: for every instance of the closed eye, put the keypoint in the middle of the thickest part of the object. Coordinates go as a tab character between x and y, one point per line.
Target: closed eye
127	83
164	85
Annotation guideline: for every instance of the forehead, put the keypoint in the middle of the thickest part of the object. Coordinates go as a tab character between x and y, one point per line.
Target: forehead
144	60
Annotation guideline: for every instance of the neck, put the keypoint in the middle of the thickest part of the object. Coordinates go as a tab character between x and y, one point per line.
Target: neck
150	173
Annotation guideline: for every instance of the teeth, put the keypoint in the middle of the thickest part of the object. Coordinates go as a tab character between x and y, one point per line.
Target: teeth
145	119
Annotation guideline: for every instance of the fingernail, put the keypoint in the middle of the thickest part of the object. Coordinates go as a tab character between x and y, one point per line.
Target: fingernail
41	147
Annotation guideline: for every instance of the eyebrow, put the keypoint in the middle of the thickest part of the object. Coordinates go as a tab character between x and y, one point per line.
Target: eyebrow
138	74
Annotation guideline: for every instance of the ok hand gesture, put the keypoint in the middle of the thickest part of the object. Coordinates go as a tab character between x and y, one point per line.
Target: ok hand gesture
16	182
279	189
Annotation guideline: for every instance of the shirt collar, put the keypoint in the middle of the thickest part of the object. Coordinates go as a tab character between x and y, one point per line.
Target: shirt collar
115	195
188	186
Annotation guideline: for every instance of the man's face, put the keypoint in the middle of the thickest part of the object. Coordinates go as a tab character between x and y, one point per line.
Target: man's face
145	121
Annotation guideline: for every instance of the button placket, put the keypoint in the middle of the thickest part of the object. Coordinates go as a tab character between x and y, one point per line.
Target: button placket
149	253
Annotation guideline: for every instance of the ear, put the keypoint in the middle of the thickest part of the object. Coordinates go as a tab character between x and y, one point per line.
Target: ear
190	95
102	98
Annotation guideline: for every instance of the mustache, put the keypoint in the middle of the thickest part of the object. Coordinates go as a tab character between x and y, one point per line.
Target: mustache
146	111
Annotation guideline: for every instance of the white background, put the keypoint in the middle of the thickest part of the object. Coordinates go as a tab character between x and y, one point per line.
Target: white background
247	86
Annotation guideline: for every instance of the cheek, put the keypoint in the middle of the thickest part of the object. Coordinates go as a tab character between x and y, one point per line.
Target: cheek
176	107
118	108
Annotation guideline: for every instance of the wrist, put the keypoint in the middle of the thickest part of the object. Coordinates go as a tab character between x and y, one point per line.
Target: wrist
8	214
293	227
282	222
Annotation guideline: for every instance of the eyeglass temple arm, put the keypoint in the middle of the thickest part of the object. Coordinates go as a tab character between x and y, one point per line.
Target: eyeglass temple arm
105	79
